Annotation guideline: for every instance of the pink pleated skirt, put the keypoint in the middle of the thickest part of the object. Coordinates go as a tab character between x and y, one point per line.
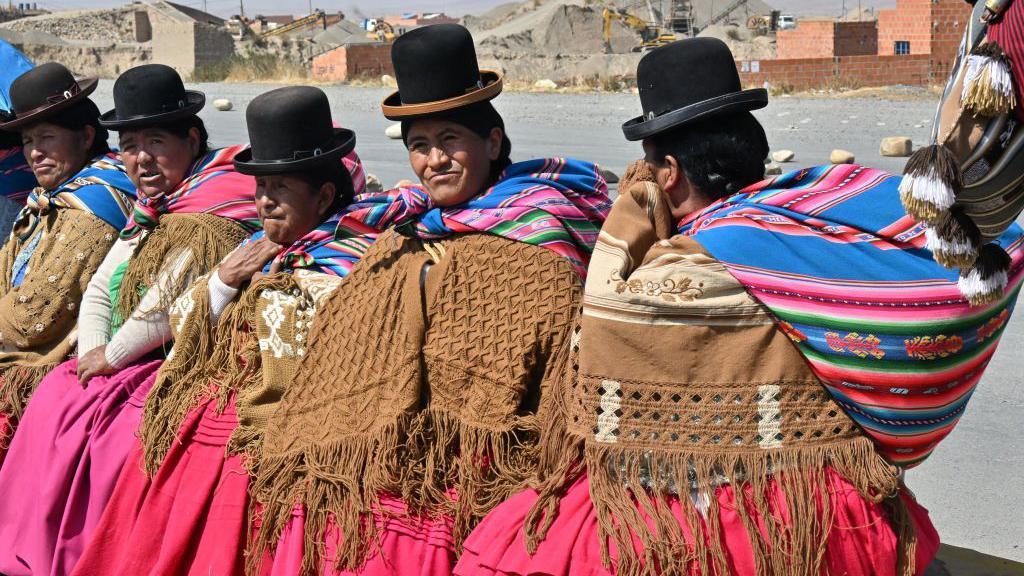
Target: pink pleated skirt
406	546
62	465
861	542
190	518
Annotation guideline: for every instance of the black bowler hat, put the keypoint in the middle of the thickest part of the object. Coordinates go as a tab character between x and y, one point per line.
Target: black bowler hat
686	81
44	91
149	95
436	70
290	129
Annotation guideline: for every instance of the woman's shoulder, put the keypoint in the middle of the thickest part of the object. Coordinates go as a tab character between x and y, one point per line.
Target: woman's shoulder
510	257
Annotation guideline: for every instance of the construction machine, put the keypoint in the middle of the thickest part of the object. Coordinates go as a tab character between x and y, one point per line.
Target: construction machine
378	29
651	35
317	18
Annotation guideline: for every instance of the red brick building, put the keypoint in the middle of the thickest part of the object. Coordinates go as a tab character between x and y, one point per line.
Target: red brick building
352	62
914	43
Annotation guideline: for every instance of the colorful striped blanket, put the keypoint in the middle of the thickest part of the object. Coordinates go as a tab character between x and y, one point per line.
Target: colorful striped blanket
212	186
556	203
101	188
834	256
319	250
16	177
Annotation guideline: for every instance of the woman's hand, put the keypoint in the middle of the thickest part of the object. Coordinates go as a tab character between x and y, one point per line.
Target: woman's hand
93	363
243	264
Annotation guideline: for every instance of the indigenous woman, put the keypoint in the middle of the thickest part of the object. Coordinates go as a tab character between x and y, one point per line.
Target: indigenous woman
239	335
415	409
60	238
193	208
757	363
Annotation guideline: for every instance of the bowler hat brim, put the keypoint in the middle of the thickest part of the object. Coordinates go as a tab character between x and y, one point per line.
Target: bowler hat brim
86	86
194	102
394	109
343	142
644	127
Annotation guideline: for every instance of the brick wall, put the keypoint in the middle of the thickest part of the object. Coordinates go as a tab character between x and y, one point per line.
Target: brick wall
855	38
910	21
810	39
351	62
839	72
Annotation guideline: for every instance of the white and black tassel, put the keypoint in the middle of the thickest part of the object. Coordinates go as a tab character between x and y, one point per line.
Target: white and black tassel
988	83
954	241
985	281
931	182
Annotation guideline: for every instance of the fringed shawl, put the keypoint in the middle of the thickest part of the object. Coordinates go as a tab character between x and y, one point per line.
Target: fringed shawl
210	212
832	253
438	375
255	347
685	384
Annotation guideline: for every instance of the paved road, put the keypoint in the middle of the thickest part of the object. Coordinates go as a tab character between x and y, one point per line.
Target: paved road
974	484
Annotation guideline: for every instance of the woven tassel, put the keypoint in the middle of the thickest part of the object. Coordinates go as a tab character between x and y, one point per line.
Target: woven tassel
931	181
954	241
986	280
988	84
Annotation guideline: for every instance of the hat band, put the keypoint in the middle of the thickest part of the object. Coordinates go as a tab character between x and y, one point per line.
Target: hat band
303	154
53	100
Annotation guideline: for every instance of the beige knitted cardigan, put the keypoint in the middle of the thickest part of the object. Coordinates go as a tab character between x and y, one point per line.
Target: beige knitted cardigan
38	317
417	384
253	350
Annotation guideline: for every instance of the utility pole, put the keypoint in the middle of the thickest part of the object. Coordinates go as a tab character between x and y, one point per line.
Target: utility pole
241	8
310	7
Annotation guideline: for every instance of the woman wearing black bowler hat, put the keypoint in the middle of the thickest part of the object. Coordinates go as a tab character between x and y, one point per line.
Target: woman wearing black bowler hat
759	361
192	209
415	408
70	221
181	504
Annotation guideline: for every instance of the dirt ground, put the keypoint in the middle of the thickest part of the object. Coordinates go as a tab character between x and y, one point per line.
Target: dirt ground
973	484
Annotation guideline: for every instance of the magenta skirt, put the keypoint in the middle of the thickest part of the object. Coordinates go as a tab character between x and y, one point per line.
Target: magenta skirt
861	542
405	547
189	518
63	463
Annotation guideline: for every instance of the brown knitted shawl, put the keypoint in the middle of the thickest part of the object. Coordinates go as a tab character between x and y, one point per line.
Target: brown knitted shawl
684	384
38	317
417	384
254	351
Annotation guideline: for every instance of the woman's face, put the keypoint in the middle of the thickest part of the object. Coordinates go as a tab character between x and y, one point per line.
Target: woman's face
452	162
289	207
156	160
55	154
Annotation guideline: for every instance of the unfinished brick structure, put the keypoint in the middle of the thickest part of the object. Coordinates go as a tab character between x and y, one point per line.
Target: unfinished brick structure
352	62
914	44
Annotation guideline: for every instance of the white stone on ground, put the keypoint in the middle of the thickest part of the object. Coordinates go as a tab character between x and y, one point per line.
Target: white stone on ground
545	84
394	131
783	156
223	104
896	146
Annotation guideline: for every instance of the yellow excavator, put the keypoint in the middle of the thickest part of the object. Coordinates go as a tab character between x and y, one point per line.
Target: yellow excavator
378	29
651	35
317	18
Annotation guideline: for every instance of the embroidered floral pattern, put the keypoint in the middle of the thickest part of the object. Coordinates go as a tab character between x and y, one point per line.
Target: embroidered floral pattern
928	348
854	343
993	326
669	289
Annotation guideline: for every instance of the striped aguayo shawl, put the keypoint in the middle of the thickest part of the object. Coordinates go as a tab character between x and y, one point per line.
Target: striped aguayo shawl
556	203
832	253
16	177
101	188
319	250
224	193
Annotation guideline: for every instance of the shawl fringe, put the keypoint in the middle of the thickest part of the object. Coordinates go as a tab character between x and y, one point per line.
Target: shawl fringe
209	238
17	383
421	457
648	537
199	360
